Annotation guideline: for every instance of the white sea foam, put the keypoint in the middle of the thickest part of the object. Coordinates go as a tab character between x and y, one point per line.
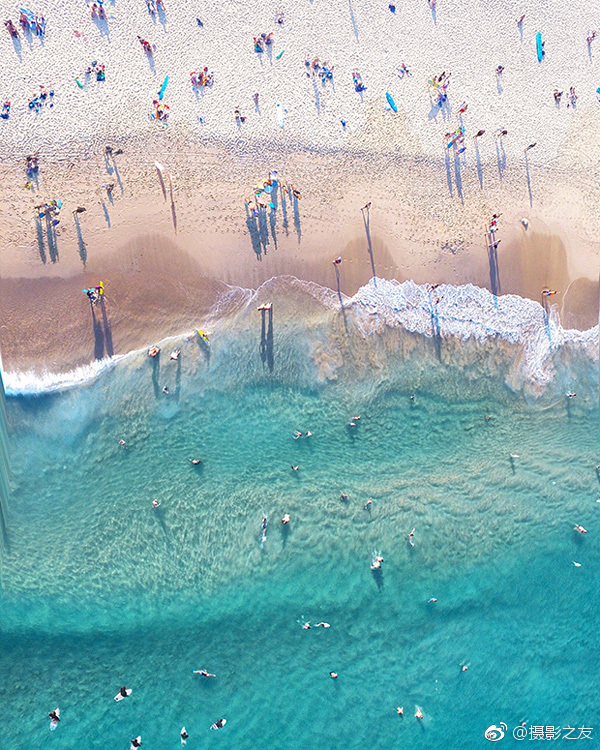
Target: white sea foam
539	344
470	312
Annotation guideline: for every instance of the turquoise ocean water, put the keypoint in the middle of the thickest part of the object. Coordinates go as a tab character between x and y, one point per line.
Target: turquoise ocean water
100	589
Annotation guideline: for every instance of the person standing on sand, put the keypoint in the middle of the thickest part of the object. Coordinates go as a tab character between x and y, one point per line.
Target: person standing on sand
531	145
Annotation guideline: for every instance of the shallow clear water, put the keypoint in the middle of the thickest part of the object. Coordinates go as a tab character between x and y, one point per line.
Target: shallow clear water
100	589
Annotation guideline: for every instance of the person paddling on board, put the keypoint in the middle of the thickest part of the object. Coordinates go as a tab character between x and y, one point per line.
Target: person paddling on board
54	718
136	742
219	724
184	736
203	672
124	692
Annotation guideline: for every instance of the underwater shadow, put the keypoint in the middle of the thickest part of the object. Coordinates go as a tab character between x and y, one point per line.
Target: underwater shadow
266	339
155	375
177	393
378	577
339	293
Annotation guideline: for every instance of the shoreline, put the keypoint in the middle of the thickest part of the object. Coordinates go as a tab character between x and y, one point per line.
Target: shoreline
163	264
459	315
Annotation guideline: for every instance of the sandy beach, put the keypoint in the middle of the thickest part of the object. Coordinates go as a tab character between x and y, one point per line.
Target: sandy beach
166	258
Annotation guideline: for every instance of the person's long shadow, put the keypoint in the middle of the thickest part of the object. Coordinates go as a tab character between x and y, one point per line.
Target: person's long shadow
284	212
317	95
263	229
252	225
354	26
80	241
528	179
285	533
458	177
107	330
98	335
448	170
106	214
367	223
173	212
110	164
162	18
40	238
297	226
51	239
434	15
17	45
478	160
102	25
339	293
500	157
155	376
494	268
273	218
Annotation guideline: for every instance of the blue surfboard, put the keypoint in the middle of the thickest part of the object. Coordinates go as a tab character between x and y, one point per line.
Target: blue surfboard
540	49
391	102
161	93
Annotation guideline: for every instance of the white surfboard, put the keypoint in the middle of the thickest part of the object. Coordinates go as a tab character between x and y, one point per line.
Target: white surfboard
119	697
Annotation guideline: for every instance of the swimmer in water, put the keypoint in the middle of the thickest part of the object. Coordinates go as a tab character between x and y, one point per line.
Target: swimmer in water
306	626
322	625
165	389
356	419
123	444
156	503
580	529
175	354
410	538
352	424
345	496
295	468
196	461
297	434
576	564
184	736
571	395
286	518
368	504
333	675
418	713
464	667
203	673
376	563
431	599
400	710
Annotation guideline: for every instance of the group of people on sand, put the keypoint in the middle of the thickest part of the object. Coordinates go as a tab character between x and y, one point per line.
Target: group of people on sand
29	22
322	70
262	41
154	6
202	78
